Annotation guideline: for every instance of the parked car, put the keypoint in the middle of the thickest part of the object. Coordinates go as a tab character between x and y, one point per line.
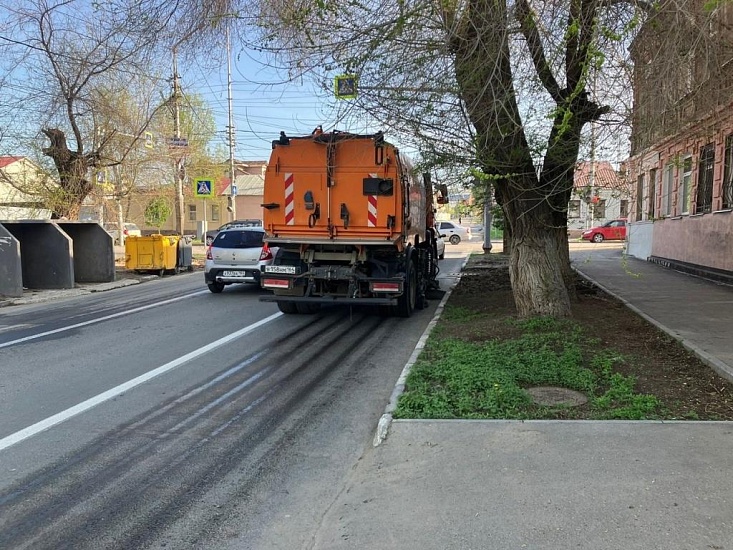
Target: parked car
613	230
212	233
237	255
454	232
128	229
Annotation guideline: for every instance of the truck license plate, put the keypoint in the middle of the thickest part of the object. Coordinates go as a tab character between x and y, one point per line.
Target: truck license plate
280	269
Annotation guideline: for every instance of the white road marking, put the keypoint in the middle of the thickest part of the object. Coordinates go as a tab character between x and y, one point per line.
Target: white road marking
51	421
100	319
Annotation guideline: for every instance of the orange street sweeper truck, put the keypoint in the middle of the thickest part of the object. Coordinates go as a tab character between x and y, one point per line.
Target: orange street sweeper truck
353	224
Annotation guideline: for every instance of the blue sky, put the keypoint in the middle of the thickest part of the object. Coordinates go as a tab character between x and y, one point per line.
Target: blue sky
262	104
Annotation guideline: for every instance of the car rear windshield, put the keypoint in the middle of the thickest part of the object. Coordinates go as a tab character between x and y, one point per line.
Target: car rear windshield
239	239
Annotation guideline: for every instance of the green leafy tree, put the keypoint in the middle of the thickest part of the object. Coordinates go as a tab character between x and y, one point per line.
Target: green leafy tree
157	212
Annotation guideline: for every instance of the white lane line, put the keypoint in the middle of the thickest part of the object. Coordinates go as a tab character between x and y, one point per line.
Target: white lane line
51	421
100	319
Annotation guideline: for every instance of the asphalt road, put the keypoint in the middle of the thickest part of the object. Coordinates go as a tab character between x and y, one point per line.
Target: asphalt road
161	415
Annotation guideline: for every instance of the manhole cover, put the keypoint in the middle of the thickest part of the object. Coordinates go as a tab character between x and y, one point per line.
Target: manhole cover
550	396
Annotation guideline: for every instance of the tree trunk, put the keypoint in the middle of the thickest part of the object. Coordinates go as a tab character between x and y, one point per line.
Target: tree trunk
73	167
536	279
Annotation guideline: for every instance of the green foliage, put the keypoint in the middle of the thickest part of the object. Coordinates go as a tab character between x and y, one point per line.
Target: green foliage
460	314
454	378
157	212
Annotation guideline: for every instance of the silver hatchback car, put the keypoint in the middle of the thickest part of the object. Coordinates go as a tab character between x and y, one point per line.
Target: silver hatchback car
236	256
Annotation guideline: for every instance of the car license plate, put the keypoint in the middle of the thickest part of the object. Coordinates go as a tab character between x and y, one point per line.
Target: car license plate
233	274
280	269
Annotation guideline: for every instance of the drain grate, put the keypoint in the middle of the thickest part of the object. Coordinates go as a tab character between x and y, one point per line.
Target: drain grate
549	396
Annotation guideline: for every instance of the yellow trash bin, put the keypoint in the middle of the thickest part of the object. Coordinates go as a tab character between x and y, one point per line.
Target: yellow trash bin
152	253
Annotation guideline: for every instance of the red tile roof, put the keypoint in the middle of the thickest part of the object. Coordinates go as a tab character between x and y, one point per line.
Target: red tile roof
4	161
604	176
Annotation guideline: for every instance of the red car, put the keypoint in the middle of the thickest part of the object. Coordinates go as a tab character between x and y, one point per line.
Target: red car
613	230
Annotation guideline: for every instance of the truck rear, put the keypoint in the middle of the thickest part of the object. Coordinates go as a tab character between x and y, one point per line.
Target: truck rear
353	223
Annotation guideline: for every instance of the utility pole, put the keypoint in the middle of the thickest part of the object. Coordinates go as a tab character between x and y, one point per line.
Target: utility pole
487	246
592	176
232	181
179	168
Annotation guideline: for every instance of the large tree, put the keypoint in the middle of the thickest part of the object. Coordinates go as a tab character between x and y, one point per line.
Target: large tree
473	80
58	55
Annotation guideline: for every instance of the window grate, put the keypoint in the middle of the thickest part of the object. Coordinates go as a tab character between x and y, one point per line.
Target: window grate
728	173
704	199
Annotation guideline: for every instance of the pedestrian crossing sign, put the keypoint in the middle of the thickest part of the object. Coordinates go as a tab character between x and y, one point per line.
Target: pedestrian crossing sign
203	187
345	86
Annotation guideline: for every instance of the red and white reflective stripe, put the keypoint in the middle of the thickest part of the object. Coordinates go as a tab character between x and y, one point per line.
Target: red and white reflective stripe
289	200
372	208
275	283
385	287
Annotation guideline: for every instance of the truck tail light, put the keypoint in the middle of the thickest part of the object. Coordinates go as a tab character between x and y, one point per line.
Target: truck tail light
276	283
266	253
385	287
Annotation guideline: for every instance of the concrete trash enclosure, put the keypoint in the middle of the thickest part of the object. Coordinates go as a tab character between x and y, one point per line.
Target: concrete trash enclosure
53	254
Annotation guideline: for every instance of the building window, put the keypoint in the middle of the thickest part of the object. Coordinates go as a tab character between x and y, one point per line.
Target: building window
651	203
685	185
704	198
574	209
728	173
639	197
623	209
192	212
599	209
667	185
214	212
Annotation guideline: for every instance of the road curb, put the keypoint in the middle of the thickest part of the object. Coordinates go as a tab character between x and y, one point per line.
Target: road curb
723	369
386	419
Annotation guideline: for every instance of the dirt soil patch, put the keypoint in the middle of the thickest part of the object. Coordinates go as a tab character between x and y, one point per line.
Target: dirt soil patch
662	367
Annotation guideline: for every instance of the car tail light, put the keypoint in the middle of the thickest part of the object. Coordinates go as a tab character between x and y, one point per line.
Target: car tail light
125	232
208	254
266	253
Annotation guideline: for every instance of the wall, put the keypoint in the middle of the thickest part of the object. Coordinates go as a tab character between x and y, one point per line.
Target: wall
704	240
639	239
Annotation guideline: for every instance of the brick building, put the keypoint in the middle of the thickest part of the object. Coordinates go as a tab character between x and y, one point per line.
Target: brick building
681	164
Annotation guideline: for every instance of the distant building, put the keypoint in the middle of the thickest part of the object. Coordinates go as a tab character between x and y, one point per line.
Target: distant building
202	213
599	195
21	192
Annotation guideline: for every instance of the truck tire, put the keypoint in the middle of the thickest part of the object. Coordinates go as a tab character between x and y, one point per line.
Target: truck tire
287	307
406	302
307	308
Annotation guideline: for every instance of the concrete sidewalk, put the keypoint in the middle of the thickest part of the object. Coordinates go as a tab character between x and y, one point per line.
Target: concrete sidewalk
697	312
556	485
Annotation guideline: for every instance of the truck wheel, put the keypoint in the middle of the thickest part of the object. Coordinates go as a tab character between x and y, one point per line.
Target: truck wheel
287	307
406	302
307	308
